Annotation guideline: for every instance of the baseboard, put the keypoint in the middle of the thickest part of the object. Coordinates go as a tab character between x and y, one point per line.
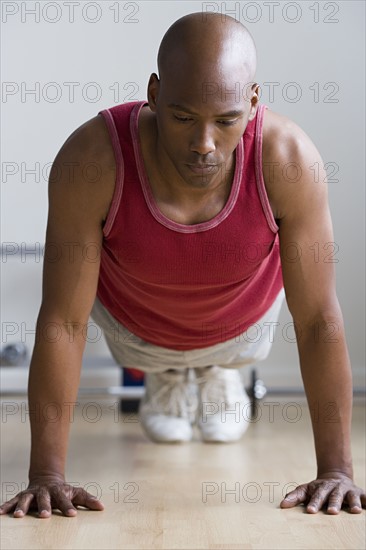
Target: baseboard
104	372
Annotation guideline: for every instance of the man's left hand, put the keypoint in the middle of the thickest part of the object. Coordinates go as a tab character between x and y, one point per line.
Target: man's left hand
330	490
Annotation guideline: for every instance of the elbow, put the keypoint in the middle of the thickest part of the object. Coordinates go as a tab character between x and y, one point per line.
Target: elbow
310	317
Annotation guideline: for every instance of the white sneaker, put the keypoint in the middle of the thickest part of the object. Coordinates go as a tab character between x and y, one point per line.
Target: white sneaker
224	406
169	406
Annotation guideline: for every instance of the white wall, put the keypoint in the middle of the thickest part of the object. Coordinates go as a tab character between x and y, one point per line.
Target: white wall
321	51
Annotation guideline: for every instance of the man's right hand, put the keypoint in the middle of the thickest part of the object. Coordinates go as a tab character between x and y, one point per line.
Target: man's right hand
50	492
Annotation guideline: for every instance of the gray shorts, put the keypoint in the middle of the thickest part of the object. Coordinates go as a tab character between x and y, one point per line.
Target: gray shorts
128	350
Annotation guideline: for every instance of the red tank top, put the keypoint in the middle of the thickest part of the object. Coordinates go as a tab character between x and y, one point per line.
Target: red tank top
187	286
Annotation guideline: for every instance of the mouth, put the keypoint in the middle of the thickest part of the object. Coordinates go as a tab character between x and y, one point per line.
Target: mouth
202	168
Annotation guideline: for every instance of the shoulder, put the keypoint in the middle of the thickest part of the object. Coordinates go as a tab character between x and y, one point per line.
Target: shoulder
283	138
91	139
88	150
290	159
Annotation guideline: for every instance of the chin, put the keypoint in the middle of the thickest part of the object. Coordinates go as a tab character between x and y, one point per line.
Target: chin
198	181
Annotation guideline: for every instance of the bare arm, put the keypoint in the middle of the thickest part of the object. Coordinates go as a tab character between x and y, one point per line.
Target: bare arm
306	246
77	207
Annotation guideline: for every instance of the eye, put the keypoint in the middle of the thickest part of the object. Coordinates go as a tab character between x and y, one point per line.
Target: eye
182	118
227	122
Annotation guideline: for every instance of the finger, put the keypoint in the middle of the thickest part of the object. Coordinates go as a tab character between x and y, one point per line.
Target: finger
83	498
22	507
354	502
64	504
363	500
61	499
295	497
335	501
44	505
319	497
8	505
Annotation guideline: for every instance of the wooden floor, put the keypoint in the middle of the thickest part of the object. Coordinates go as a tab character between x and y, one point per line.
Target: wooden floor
188	496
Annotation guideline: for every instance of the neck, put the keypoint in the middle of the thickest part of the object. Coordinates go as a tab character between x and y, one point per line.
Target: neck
198	189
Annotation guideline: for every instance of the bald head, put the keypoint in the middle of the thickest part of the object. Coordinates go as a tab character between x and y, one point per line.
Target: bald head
206	41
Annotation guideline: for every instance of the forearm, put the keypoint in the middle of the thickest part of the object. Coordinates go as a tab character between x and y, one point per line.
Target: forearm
327	377
52	390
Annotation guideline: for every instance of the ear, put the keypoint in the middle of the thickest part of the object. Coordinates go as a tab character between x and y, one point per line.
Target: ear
254	101
153	91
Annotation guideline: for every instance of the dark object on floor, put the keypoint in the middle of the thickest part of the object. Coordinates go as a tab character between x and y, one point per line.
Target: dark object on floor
131	377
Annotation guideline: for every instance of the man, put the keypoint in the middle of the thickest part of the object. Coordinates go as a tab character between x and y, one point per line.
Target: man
185	183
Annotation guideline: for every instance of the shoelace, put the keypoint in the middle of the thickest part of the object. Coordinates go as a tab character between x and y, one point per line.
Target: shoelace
217	389
176	397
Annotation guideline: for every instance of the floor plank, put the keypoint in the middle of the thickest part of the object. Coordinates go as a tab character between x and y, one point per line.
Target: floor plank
188	496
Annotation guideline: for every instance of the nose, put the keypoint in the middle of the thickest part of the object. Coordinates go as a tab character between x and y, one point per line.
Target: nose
203	141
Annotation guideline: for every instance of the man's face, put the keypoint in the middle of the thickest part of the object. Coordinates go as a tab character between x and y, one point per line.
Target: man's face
200	121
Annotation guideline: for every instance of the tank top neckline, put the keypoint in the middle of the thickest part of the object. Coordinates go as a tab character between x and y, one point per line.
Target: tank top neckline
150	199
